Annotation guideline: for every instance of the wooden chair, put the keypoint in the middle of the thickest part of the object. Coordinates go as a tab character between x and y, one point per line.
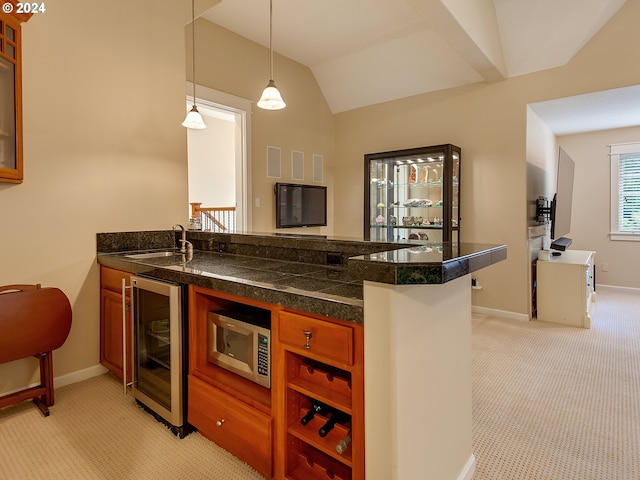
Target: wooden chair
34	321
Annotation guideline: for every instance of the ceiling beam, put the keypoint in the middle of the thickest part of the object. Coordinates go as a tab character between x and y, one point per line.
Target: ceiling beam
471	28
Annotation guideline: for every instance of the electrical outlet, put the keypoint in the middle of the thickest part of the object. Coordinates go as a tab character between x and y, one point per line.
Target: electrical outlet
605	267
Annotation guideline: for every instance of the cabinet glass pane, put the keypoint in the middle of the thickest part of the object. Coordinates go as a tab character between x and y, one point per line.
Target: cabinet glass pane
7	115
413	195
10	33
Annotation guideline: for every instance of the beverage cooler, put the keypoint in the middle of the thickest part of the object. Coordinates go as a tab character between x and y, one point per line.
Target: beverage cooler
160	357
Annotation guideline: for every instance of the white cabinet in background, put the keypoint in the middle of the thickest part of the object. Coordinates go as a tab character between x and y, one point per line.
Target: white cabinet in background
566	289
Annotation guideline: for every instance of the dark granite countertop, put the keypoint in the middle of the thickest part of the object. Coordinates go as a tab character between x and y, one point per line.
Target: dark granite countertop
295	271
426	264
321	289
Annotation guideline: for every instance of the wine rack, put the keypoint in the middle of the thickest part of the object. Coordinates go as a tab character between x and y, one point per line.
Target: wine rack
323	369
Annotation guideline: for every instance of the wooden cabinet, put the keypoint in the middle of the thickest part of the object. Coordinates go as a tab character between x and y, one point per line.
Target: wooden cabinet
319	338
11	169
565	288
228	409
313	359
232	424
111	335
322	369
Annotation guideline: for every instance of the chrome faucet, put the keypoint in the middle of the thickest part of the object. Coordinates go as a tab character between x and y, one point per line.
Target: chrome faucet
184	243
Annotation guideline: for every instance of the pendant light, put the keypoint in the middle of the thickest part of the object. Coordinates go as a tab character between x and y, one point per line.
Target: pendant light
271	98
193	119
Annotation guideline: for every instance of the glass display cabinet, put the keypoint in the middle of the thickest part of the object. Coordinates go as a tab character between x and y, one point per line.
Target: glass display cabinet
413	194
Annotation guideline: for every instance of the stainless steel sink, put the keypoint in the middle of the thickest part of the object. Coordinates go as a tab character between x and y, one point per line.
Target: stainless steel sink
153	254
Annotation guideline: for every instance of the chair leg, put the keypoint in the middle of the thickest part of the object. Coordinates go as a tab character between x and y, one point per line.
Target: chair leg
45	400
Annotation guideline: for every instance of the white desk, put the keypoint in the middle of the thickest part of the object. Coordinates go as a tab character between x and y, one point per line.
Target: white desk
565	288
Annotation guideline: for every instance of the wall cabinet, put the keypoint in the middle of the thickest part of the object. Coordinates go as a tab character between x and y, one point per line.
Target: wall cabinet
413	194
111	338
566	288
11	169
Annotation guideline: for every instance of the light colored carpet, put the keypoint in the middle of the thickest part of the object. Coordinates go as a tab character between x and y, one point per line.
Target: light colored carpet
554	402
95	433
549	403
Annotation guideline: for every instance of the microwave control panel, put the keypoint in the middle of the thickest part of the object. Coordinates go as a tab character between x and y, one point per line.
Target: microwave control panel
263	355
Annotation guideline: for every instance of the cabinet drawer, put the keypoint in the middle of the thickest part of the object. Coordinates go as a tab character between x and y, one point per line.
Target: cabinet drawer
111	279
326	339
232	424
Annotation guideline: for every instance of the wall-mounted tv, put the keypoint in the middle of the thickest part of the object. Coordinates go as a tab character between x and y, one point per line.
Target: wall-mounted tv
300	205
559	213
562	201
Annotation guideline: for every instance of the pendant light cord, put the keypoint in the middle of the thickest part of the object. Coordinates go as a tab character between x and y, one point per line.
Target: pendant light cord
271	36
193	49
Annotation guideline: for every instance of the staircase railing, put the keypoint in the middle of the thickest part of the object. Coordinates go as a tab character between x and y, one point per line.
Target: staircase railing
215	219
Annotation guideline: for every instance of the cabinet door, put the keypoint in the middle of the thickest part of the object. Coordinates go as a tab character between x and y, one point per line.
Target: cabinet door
232	424
10	100
111	333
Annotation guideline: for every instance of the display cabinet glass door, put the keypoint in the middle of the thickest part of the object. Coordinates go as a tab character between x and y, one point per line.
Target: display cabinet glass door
413	195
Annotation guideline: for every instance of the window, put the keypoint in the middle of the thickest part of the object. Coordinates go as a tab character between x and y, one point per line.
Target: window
625	191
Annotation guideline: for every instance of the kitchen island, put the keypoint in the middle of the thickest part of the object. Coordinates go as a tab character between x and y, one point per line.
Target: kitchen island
413	299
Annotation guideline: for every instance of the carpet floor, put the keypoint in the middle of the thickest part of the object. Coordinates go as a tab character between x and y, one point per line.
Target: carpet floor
549	403
552	402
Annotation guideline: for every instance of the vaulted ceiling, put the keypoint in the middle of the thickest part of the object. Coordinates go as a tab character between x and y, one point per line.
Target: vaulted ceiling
364	52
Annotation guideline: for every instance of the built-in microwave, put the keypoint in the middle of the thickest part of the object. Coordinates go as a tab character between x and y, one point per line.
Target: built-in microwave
240	341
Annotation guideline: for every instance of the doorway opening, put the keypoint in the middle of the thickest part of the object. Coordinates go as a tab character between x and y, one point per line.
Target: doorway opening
219	160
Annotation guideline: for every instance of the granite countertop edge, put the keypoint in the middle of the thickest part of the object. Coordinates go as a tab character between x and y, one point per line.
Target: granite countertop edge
415	265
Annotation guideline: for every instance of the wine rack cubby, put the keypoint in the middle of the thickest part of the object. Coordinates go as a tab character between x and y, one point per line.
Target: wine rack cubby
328	388
305	462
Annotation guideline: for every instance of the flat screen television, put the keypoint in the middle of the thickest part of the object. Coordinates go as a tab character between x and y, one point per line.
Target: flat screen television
562	202
300	205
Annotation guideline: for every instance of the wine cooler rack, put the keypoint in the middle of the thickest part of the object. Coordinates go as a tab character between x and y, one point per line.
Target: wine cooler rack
315	379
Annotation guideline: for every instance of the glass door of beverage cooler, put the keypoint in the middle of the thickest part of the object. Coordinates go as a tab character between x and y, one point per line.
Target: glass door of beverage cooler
157	320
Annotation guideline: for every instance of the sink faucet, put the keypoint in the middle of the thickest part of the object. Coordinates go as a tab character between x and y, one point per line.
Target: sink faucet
183	240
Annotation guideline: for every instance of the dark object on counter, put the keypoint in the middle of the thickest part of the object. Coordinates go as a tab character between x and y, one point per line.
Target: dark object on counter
34	321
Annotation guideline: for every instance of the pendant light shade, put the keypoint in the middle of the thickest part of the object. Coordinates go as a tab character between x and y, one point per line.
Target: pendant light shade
271	98
193	119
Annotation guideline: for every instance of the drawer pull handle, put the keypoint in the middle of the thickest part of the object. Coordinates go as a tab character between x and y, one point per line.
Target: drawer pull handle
308	336
220	422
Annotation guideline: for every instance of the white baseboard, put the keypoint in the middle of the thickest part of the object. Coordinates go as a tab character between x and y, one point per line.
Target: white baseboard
469	469
79	376
523	317
616	287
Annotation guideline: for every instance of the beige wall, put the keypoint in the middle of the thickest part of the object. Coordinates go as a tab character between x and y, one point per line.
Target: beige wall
103	102
235	65
103	151
590	216
489	123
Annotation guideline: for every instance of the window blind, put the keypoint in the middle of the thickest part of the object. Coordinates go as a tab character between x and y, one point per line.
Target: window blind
629	192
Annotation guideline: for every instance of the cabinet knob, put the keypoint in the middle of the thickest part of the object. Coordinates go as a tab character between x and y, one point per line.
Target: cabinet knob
308	336
220	422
